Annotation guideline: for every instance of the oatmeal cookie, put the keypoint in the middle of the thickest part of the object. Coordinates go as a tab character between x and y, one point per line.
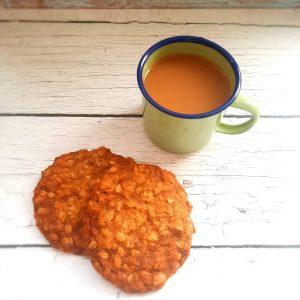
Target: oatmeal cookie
63	192
140	227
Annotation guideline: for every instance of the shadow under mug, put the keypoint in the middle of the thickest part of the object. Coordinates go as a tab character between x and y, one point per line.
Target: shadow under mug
184	133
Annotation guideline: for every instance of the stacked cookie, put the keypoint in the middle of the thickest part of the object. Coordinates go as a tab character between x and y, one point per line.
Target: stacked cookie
132	220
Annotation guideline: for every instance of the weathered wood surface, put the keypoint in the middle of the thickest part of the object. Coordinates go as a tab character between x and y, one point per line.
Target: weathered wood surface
209	273
242	187
270	17
149	3
91	68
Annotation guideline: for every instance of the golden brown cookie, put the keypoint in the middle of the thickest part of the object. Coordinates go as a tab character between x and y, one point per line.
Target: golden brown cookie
140	227
63	192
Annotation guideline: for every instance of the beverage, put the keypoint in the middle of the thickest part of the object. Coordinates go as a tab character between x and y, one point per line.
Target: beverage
187	84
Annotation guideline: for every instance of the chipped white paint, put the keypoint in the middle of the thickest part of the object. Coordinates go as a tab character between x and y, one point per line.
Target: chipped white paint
91	68
208	273
242	187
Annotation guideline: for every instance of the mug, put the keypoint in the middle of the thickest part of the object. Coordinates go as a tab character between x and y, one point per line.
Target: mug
184	133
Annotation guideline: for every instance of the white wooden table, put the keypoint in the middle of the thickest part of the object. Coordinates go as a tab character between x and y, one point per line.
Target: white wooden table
67	81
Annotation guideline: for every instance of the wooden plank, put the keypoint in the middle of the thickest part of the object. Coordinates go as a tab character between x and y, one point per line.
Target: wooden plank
268	17
228	210
90	68
242	187
211	273
148	3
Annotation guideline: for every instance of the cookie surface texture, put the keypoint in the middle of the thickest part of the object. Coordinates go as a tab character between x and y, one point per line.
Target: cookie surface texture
63	192
140	227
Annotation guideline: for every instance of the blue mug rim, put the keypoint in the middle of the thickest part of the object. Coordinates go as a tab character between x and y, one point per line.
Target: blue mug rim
197	40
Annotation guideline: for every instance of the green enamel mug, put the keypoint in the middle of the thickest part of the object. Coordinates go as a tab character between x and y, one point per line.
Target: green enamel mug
184	133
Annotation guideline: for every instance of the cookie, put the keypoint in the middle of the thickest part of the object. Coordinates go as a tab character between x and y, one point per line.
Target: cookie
63	192
139	225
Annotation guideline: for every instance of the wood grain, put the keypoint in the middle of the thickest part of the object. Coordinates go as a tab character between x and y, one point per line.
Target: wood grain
263	17
242	187
148	3
90	68
211	273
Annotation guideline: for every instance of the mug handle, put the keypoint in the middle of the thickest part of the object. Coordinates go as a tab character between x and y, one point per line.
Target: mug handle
245	104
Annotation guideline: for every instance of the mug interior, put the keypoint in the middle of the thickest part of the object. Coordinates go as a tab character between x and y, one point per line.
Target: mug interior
193	45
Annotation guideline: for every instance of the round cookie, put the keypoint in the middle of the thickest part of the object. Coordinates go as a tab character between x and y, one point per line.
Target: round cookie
63	192
140	227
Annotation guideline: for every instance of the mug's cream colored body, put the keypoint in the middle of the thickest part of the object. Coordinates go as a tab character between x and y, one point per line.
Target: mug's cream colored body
181	133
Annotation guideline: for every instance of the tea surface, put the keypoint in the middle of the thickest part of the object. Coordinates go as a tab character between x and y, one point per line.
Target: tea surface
187	83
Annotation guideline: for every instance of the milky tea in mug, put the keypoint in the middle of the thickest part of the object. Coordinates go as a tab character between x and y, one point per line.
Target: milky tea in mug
187	83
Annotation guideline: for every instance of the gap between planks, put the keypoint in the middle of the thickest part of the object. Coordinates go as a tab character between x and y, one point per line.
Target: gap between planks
254	246
156	22
242	16
130	115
